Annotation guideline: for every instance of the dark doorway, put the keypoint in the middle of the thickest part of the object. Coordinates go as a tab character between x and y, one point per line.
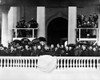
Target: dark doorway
57	29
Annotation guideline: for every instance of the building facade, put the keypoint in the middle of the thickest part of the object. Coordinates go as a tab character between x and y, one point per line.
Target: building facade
57	18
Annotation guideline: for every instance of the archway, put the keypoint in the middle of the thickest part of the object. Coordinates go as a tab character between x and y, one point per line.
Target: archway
57	30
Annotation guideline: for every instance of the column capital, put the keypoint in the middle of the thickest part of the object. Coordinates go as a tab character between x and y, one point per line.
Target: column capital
5	8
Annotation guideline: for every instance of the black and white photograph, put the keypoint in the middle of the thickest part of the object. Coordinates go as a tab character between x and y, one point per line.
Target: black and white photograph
49	39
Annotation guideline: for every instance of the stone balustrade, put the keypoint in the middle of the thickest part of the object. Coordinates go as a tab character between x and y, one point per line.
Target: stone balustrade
62	62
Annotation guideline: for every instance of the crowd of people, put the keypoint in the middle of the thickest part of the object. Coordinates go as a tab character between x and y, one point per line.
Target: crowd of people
38	47
23	32
30	24
89	23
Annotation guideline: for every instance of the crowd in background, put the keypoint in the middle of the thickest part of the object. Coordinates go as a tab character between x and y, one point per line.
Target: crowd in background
38	47
23	32
89	23
30	24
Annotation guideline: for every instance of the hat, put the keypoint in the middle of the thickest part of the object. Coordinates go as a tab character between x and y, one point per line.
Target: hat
17	42
35	40
83	44
1	45
94	46
71	45
98	46
42	39
25	41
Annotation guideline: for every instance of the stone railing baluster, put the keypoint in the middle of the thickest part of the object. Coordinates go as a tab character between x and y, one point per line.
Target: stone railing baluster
62	62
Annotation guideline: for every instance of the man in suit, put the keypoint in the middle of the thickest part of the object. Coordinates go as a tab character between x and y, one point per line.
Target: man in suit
95	51
90	50
35	51
26	51
12	51
22	23
98	51
2	52
32	23
78	50
84	50
52	50
71	49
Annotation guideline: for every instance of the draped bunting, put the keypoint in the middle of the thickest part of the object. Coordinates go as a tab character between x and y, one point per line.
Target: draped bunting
47	63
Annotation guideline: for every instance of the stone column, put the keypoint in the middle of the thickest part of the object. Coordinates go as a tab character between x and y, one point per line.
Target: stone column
41	21
98	36
4	30
72	23
13	18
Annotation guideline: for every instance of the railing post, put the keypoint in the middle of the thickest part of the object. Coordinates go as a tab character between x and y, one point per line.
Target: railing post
98	64
62	62
91	63
33	32
15	29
